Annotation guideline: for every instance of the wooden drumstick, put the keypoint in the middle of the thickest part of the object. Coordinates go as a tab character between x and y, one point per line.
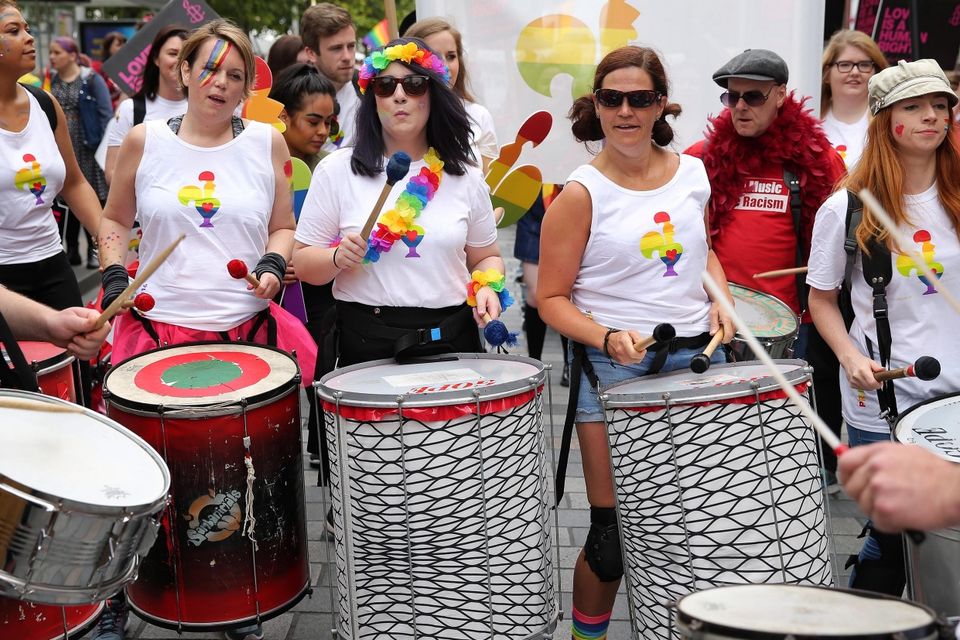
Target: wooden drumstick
115	306
776	273
397	167
661	333
701	362
36	405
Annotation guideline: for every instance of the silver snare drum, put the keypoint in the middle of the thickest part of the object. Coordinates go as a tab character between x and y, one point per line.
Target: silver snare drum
78	494
772	321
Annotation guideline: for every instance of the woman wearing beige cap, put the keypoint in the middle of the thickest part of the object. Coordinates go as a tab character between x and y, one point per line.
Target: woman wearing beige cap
910	164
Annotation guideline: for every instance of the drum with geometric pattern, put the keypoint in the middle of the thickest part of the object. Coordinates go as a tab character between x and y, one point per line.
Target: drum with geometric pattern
439	490
717	483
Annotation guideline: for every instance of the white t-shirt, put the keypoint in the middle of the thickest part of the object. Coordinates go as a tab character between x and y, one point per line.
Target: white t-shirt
435	274
31	175
642	263
921	321
483	133
349	102
174	181
847	139
158	109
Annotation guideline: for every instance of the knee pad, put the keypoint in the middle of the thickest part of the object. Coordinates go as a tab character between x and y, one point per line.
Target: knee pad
602	549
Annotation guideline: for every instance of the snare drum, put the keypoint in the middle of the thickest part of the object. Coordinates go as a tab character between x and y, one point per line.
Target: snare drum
935	564
778	612
717	482
78	493
226	417
772	321
57	371
439	491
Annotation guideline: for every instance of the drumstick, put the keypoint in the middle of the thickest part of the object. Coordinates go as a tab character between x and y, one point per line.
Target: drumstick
903	244
925	368
701	362
776	273
36	405
114	307
238	270
397	168
661	333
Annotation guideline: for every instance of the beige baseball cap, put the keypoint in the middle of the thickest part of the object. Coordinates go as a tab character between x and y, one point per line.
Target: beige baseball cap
908	80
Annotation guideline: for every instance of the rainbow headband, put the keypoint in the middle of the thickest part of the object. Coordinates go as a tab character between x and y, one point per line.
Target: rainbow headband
407	53
220	50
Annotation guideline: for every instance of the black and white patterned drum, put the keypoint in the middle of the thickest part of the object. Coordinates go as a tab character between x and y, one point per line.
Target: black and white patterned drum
717	482
935	564
439	489
779	611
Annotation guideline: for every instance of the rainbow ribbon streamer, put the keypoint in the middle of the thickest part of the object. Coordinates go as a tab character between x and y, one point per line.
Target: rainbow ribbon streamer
490	278
398	222
220	50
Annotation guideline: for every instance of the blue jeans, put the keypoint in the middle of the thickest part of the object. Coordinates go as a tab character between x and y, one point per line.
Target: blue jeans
871	547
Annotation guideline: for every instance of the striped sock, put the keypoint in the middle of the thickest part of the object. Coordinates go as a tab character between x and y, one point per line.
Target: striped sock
590	627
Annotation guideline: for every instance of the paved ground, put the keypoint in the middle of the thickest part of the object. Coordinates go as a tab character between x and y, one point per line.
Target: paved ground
312	618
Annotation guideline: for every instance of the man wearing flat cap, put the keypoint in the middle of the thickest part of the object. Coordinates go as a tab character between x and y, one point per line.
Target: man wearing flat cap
771	167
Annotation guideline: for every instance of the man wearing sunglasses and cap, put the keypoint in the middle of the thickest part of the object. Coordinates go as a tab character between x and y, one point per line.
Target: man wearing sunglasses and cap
770	168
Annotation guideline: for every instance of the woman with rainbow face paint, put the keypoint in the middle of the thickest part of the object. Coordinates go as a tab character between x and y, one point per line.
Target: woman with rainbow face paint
910	164
436	234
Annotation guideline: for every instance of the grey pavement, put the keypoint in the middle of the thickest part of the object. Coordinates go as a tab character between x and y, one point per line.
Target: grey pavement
312	618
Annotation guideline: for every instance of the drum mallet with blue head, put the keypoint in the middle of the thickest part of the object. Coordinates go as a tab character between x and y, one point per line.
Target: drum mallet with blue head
701	362
661	333
497	334
397	167
925	368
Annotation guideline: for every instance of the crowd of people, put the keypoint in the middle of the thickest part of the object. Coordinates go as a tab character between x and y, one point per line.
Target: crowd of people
887	129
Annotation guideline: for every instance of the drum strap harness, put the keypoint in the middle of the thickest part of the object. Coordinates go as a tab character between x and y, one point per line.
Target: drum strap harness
261	317
877	271
15	374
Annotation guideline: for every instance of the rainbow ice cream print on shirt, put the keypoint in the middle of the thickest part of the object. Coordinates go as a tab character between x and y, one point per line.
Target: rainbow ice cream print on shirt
201	197
906	265
30	178
663	244
220	50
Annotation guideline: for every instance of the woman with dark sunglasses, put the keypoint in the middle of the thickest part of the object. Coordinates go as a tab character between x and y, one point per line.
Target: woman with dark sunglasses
622	249
412	271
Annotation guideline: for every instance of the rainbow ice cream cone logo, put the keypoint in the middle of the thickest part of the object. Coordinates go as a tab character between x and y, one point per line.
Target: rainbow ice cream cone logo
663	244
30	178
906	264
201	197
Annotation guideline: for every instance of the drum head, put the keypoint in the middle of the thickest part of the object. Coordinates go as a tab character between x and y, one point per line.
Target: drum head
80	457
934	425
780	610
767	317
452	379
720	382
41	355
200	375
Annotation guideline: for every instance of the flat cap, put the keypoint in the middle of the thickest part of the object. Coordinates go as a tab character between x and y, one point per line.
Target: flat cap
753	64
908	80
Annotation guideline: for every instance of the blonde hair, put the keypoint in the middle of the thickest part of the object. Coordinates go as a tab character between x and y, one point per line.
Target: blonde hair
839	40
427	27
224	30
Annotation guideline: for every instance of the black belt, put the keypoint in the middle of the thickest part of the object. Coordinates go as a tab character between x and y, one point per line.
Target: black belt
373	323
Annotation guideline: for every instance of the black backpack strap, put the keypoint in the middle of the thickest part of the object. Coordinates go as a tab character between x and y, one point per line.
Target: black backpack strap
796	211
850	248
139	108
46	103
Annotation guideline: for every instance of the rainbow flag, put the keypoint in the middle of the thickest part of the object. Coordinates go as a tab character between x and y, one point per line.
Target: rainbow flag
378	36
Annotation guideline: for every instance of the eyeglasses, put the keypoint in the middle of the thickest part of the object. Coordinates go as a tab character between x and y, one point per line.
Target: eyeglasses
753	98
846	66
413	85
639	99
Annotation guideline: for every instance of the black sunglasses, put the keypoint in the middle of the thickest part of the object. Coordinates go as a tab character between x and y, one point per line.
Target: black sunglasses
413	85
752	98
639	99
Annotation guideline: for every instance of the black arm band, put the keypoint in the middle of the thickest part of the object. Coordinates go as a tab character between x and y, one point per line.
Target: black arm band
271	263
114	280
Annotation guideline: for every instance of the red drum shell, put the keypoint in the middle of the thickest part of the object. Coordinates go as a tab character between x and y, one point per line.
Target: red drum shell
54	367
21	620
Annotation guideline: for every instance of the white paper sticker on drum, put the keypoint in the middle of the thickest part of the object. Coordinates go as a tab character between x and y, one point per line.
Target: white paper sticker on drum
432	377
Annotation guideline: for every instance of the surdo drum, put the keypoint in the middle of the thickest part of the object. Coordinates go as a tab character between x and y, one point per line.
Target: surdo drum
226	418
716	482
439	489
772	321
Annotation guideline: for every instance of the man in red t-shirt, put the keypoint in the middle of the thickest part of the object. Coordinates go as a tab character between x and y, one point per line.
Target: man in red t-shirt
764	137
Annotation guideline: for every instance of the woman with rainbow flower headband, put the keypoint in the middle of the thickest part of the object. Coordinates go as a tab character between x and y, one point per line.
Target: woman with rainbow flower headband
408	289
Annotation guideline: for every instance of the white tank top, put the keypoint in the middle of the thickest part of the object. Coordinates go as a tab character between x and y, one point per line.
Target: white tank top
222	199
32	173
647	249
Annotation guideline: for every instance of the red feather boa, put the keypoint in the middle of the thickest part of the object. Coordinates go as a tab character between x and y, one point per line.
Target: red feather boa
795	139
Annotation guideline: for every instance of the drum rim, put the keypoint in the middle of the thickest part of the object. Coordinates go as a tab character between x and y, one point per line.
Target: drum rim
210	410
902	417
704	627
765	384
83	627
436	399
43	367
796	320
70	505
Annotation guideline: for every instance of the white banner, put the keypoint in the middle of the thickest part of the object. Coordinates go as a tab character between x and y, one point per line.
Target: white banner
540	55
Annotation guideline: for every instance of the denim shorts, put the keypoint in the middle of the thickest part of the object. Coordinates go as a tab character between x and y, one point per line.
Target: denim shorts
610	373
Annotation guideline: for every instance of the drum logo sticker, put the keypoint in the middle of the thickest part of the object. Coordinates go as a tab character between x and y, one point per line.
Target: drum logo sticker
214	517
906	264
663	244
938	439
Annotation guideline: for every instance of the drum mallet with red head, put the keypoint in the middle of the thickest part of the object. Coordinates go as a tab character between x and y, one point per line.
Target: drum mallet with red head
701	362
925	368
238	270
661	333
397	167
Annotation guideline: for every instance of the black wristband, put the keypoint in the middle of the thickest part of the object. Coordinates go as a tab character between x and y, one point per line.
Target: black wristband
271	263
335	257
606	340
114	280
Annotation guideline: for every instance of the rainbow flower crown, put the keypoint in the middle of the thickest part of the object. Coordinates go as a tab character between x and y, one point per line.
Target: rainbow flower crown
409	52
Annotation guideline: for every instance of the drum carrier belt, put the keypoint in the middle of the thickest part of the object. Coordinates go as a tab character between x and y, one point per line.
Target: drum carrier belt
582	363
17	374
262	317
362	318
